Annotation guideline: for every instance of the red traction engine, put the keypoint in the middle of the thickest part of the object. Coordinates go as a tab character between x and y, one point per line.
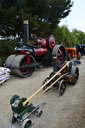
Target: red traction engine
26	56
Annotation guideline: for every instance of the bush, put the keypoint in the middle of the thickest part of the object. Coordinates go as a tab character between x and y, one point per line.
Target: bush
6	47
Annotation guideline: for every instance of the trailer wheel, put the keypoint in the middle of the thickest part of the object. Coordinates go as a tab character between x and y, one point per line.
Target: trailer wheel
62	87
27	123
39	113
74	74
69	66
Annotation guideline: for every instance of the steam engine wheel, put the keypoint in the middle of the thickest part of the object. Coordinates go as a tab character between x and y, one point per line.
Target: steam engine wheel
25	69
59	52
19	65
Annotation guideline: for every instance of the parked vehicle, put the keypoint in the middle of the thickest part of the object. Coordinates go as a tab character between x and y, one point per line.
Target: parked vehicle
72	53
26	57
81	48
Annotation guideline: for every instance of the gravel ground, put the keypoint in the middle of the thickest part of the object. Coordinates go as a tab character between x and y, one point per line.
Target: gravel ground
67	111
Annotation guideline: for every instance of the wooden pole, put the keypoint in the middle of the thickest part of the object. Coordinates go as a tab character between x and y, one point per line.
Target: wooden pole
35	98
25	103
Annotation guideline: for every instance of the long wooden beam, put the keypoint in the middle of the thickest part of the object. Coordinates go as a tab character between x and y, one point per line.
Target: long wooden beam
25	103
40	94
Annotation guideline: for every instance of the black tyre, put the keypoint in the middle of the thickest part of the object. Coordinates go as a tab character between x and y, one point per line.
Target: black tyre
62	87
74	74
39	113
27	123
69	66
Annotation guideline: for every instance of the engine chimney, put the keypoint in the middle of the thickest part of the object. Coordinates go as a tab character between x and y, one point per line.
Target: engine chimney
26	31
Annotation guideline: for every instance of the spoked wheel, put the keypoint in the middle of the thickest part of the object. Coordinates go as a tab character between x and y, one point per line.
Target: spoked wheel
59	52
27	123
52	41
27	71
62	87
74	74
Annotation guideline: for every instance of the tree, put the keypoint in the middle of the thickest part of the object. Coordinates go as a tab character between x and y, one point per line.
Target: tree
66	37
63	35
48	12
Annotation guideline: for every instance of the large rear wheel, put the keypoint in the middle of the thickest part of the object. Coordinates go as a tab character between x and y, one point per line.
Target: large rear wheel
59	52
74	74
19	65
25	69
62	87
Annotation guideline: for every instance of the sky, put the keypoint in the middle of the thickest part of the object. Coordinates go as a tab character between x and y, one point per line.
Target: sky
76	18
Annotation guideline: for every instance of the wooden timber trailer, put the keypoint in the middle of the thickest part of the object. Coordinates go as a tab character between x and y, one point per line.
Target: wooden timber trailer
63	73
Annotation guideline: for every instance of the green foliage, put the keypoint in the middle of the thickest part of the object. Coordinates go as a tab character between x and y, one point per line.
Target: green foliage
64	36
6	47
46	12
79	36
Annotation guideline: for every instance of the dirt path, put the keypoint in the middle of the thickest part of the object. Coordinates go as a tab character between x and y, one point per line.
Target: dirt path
67	111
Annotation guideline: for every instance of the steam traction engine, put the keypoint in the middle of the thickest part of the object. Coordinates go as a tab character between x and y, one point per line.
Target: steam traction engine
26	57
